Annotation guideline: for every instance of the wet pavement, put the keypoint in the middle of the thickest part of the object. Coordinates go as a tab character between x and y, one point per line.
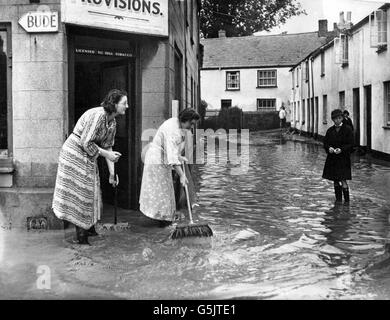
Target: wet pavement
277	235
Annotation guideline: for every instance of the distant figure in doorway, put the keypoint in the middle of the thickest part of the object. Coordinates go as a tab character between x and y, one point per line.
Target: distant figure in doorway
77	195
347	120
282	117
157	197
338	144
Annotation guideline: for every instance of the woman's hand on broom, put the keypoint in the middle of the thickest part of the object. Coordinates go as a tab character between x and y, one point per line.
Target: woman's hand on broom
183	159
183	180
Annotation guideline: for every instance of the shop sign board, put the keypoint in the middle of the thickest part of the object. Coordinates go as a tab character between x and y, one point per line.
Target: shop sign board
135	16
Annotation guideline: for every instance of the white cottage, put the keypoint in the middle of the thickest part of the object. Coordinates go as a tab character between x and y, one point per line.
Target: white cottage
253	72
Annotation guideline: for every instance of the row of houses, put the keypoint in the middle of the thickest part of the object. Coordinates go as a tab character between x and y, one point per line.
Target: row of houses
310	74
351	72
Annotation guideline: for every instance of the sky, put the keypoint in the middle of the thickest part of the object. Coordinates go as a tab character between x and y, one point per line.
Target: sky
325	9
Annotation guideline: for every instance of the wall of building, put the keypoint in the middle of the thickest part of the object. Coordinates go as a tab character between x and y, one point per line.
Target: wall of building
213	88
365	67
39	95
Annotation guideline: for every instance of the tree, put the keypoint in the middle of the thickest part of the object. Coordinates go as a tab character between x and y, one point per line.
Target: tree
244	17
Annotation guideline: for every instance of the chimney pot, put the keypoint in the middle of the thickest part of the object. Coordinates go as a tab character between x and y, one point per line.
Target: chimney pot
349	16
322	28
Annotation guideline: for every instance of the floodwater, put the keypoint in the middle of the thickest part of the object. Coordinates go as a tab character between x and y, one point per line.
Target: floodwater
277	235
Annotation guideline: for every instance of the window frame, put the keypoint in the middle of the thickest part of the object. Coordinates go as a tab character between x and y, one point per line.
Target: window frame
267	78
325	109
322	63
227	80
226	100
9	151
342	99
378	29
259	100
387	103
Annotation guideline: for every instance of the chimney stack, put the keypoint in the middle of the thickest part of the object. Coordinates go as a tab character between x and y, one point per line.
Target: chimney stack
221	34
322	28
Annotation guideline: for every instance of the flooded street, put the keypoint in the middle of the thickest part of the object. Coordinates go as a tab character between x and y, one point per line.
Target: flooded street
277	235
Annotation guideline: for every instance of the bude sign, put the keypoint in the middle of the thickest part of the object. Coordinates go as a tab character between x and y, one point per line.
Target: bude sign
136	16
40	21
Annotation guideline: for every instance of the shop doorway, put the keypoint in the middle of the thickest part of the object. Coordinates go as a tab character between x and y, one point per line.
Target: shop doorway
95	67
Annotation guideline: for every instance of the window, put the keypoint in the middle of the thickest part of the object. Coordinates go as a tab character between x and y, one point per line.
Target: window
342	99
266	104
387	102
5	91
192	92
325	109
297	77
306	71
292	78
378	28
233	80
322	63
341	49
225	104
303	111
266	78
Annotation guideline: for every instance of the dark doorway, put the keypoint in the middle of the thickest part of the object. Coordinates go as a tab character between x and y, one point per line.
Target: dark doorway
316	117
94	71
356	115
368	106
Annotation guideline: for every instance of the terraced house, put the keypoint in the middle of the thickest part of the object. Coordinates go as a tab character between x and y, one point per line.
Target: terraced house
351	72
59	58
252	72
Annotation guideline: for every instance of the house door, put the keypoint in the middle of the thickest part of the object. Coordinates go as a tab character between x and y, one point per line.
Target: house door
367	98
356	115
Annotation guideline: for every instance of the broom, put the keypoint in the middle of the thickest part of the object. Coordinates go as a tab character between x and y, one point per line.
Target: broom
192	229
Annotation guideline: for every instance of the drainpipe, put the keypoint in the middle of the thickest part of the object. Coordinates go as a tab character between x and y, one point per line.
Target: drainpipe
307	115
313	98
185	53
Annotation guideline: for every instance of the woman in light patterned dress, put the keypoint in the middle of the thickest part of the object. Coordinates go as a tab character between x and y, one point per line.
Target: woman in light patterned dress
157	198
77	194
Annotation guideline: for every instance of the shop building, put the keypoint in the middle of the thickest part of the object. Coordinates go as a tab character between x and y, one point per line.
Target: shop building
59	58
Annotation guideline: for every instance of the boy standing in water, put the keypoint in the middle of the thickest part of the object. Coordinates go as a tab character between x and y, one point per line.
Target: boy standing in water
338	144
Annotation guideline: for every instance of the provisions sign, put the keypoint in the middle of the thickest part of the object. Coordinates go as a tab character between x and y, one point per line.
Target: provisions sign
135	16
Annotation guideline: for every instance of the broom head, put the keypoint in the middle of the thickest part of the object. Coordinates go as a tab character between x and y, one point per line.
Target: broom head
191	230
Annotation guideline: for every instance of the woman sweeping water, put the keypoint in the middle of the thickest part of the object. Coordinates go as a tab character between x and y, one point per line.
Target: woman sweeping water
157	198
77	195
338	144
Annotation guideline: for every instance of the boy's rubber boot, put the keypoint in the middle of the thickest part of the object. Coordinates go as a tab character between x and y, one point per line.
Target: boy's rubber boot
346	194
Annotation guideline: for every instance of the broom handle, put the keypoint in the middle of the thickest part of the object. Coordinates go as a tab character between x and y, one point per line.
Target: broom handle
187	196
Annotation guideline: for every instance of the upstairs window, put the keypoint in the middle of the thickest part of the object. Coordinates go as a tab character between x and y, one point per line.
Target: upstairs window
267	78
305	71
341	99
322	63
233	80
341	49
378	29
292	78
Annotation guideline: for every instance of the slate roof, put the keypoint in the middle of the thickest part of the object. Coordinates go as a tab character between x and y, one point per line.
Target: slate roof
284	50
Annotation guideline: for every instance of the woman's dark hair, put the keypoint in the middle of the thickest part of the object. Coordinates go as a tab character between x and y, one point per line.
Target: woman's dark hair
188	114
111	99
346	113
